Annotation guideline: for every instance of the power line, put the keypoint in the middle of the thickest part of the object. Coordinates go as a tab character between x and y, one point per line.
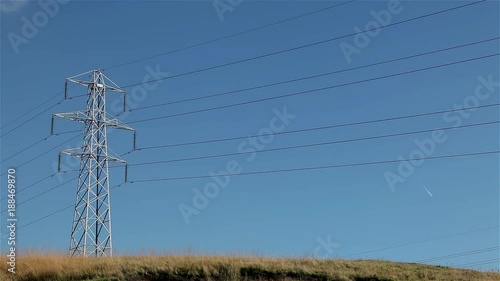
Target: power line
300	47
356	254
483	262
299	146
36	143
33	184
318	128
283	170
292	147
230	36
422	241
456	255
274	171
266	55
285	148
31	110
44	192
26	148
32	118
316	75
306	45
137	181
312	144
321	167
54	148
314	90
40	155
53	213
40	113
47	216
183	49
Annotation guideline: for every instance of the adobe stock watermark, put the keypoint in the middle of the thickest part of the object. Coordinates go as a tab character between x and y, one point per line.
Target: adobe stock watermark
31	26
325	249
427	147
150	81
371	29
223	6
220	180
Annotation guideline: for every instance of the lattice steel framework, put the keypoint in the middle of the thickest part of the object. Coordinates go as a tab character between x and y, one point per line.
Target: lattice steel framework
91	229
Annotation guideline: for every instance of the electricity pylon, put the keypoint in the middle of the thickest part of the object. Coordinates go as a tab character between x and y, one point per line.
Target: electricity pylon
91	230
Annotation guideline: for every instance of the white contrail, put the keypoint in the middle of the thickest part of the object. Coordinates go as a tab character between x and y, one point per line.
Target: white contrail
428	192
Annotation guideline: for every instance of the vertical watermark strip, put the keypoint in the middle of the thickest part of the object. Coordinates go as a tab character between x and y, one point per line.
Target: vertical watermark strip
11	219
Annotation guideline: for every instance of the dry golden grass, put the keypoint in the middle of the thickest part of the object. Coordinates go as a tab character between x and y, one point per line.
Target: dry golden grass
55	267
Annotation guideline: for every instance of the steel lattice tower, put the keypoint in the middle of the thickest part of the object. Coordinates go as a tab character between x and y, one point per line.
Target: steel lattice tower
91	230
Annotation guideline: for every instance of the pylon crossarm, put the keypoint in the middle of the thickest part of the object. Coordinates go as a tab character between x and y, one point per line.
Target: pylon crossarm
76	152
83	83
99	85
80	82
79	116
117	124
116	159
81	74
82	117
114	87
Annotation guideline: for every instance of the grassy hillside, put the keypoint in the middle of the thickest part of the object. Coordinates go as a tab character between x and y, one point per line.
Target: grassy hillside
145	268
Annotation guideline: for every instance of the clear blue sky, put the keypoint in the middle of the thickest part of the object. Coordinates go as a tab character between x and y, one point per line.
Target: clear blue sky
280	214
